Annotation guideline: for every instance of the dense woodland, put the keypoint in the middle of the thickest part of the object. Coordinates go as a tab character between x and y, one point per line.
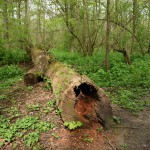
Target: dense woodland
83	26
109	41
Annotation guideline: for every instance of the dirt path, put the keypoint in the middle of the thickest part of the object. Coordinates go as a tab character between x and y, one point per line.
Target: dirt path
133	132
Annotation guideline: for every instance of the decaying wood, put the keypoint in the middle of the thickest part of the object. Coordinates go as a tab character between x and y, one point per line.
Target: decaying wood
40	61
77	96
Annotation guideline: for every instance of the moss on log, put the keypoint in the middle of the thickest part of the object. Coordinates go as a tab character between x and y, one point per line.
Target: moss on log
40	61
76	95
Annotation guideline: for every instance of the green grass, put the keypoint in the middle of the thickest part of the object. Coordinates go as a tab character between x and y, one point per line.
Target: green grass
128	83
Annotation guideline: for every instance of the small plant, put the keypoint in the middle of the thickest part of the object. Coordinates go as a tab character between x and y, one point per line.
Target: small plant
42	126
49	107
12	112
34	107
100	129
73	124
86	138
51	103
31	139
116	119
48	85
29	88
54	135
1	144
58	111
3	97
124	146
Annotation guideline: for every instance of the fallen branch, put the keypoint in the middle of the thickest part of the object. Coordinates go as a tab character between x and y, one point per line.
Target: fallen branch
108	140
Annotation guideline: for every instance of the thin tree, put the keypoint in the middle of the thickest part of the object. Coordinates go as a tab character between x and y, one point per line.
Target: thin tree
134	24
6	23
107	35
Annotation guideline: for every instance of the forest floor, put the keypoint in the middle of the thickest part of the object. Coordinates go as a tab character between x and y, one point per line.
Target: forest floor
131	132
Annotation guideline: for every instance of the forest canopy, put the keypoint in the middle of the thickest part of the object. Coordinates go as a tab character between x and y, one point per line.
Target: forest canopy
77	25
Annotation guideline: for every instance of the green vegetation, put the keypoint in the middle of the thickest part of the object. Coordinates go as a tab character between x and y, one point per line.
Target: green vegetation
86	138
3	97
31	139
48	85
58	111
13	56
9	131
74	28
54	135
124	146
9	75
12	112
124	84
34	107
100	129
29	88
10	72
49	107
116	119
73	125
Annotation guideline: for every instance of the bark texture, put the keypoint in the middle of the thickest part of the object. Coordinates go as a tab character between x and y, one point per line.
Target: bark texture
125	54
76	95
40	61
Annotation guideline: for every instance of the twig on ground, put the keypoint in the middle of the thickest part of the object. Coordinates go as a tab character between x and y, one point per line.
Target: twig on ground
108	140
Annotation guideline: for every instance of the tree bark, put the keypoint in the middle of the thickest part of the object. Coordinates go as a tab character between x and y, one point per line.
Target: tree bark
125	54
40	61
134	24
107	36
6	24
76	95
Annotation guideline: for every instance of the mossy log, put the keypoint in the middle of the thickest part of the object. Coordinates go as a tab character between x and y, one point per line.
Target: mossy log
76	95
40	61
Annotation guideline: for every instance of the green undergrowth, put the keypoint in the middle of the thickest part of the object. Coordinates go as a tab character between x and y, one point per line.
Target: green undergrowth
12	56
28	128
125	84
9	74
15	126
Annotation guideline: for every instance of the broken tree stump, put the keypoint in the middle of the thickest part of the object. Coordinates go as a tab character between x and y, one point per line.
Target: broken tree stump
76	95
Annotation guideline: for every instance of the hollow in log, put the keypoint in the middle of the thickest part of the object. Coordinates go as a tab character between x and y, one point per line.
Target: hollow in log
76	95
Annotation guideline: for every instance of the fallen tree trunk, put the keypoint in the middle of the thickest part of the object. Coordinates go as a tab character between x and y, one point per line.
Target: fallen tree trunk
77	96
40	61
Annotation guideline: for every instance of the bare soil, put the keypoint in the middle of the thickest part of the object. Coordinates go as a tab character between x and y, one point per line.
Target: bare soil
132	133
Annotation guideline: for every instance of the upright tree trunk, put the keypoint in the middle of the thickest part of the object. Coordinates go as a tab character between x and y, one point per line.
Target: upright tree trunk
38	32
149	48
26	20
134	23
107	36
6	24
19	23
19	12
149	28
116	11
